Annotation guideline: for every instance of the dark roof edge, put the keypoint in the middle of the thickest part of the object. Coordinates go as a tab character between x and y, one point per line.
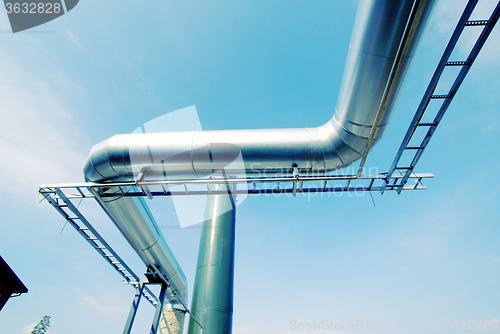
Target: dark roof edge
8	276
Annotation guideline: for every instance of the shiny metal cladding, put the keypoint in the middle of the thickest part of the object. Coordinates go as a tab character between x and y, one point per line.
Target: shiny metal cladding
370	69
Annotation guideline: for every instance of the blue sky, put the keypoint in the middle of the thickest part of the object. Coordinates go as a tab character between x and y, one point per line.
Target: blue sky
107	67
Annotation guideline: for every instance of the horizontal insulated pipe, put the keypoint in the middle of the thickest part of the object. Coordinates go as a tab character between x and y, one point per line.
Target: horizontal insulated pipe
372	67
378	32
132	217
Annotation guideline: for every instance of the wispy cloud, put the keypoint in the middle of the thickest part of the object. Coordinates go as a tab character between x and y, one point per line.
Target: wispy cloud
28	328
430	236
108	305
73	39
39	136
425	246
77	41
249	328
446	16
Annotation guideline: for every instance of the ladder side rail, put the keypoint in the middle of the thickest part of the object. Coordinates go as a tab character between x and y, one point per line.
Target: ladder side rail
456	85
431	87
127	274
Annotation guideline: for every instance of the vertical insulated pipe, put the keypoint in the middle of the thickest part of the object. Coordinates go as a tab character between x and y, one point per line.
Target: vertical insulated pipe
213	285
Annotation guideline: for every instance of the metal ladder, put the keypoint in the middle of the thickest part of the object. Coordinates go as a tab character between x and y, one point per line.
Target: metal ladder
56	197
465	65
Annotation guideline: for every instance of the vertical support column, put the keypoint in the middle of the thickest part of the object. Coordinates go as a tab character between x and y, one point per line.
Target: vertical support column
213	286
133	309
159	308
171	320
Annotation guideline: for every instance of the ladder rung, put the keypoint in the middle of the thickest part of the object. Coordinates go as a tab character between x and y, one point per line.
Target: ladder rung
477	23
456	63
90	238
427	124
404	167
414	148
440	96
